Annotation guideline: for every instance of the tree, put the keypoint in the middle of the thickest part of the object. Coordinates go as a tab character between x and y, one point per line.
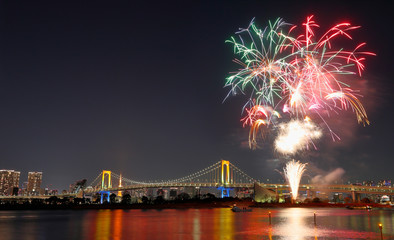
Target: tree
79	200
126	198
183	196
112	198
159	200
210	196
53	200
96	198
36	202
65	200
145	200
316	200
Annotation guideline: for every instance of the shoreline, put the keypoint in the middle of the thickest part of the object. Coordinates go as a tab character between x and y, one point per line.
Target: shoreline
190	205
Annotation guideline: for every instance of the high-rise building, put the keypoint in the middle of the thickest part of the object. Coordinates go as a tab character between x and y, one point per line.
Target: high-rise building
34	180
9	179
24	188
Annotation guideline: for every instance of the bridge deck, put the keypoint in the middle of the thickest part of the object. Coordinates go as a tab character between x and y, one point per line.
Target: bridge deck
279	187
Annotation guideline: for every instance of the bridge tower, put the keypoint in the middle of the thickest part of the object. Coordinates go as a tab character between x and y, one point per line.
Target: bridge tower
120	185
225	172
225	178
103	183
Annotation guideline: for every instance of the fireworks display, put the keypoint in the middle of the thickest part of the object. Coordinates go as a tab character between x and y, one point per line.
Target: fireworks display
295	135
293	172
293	81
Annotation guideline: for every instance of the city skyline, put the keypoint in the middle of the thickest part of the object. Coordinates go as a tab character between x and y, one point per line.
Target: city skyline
138	89
10	183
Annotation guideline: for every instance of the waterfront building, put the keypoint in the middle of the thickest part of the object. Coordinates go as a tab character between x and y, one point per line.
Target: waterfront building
34	180
23	190
9	179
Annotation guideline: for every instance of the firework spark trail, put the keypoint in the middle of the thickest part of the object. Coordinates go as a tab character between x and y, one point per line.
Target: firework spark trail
295	74
293	172
295	135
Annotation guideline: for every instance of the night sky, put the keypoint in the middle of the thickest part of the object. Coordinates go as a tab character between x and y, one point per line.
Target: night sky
137	88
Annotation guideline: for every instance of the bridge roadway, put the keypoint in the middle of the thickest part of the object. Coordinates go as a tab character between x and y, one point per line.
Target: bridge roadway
274	187
24	197
337	188
170	185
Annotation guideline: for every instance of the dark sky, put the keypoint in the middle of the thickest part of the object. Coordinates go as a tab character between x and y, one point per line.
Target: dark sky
137	88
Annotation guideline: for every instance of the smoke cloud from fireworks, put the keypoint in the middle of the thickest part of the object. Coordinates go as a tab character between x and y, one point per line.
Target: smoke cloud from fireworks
329	177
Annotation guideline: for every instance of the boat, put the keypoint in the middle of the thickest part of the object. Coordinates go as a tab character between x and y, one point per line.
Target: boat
237	209
359	207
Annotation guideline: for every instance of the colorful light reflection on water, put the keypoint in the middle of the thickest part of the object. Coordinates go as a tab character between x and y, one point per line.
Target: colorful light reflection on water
196	224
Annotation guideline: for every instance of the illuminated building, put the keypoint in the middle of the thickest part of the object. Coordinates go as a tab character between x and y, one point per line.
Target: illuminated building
384	183
24	188
34	180
9	179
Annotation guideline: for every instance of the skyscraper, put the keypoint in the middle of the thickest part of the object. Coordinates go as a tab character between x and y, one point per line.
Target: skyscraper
34	180
9	179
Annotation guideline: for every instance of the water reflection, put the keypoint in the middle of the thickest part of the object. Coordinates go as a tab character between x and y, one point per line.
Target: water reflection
298	223
103	225
117	224
224	223
195	224
295	223
291	223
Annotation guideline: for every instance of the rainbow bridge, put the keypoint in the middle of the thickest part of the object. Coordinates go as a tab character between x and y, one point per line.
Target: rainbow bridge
222	175
226	176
